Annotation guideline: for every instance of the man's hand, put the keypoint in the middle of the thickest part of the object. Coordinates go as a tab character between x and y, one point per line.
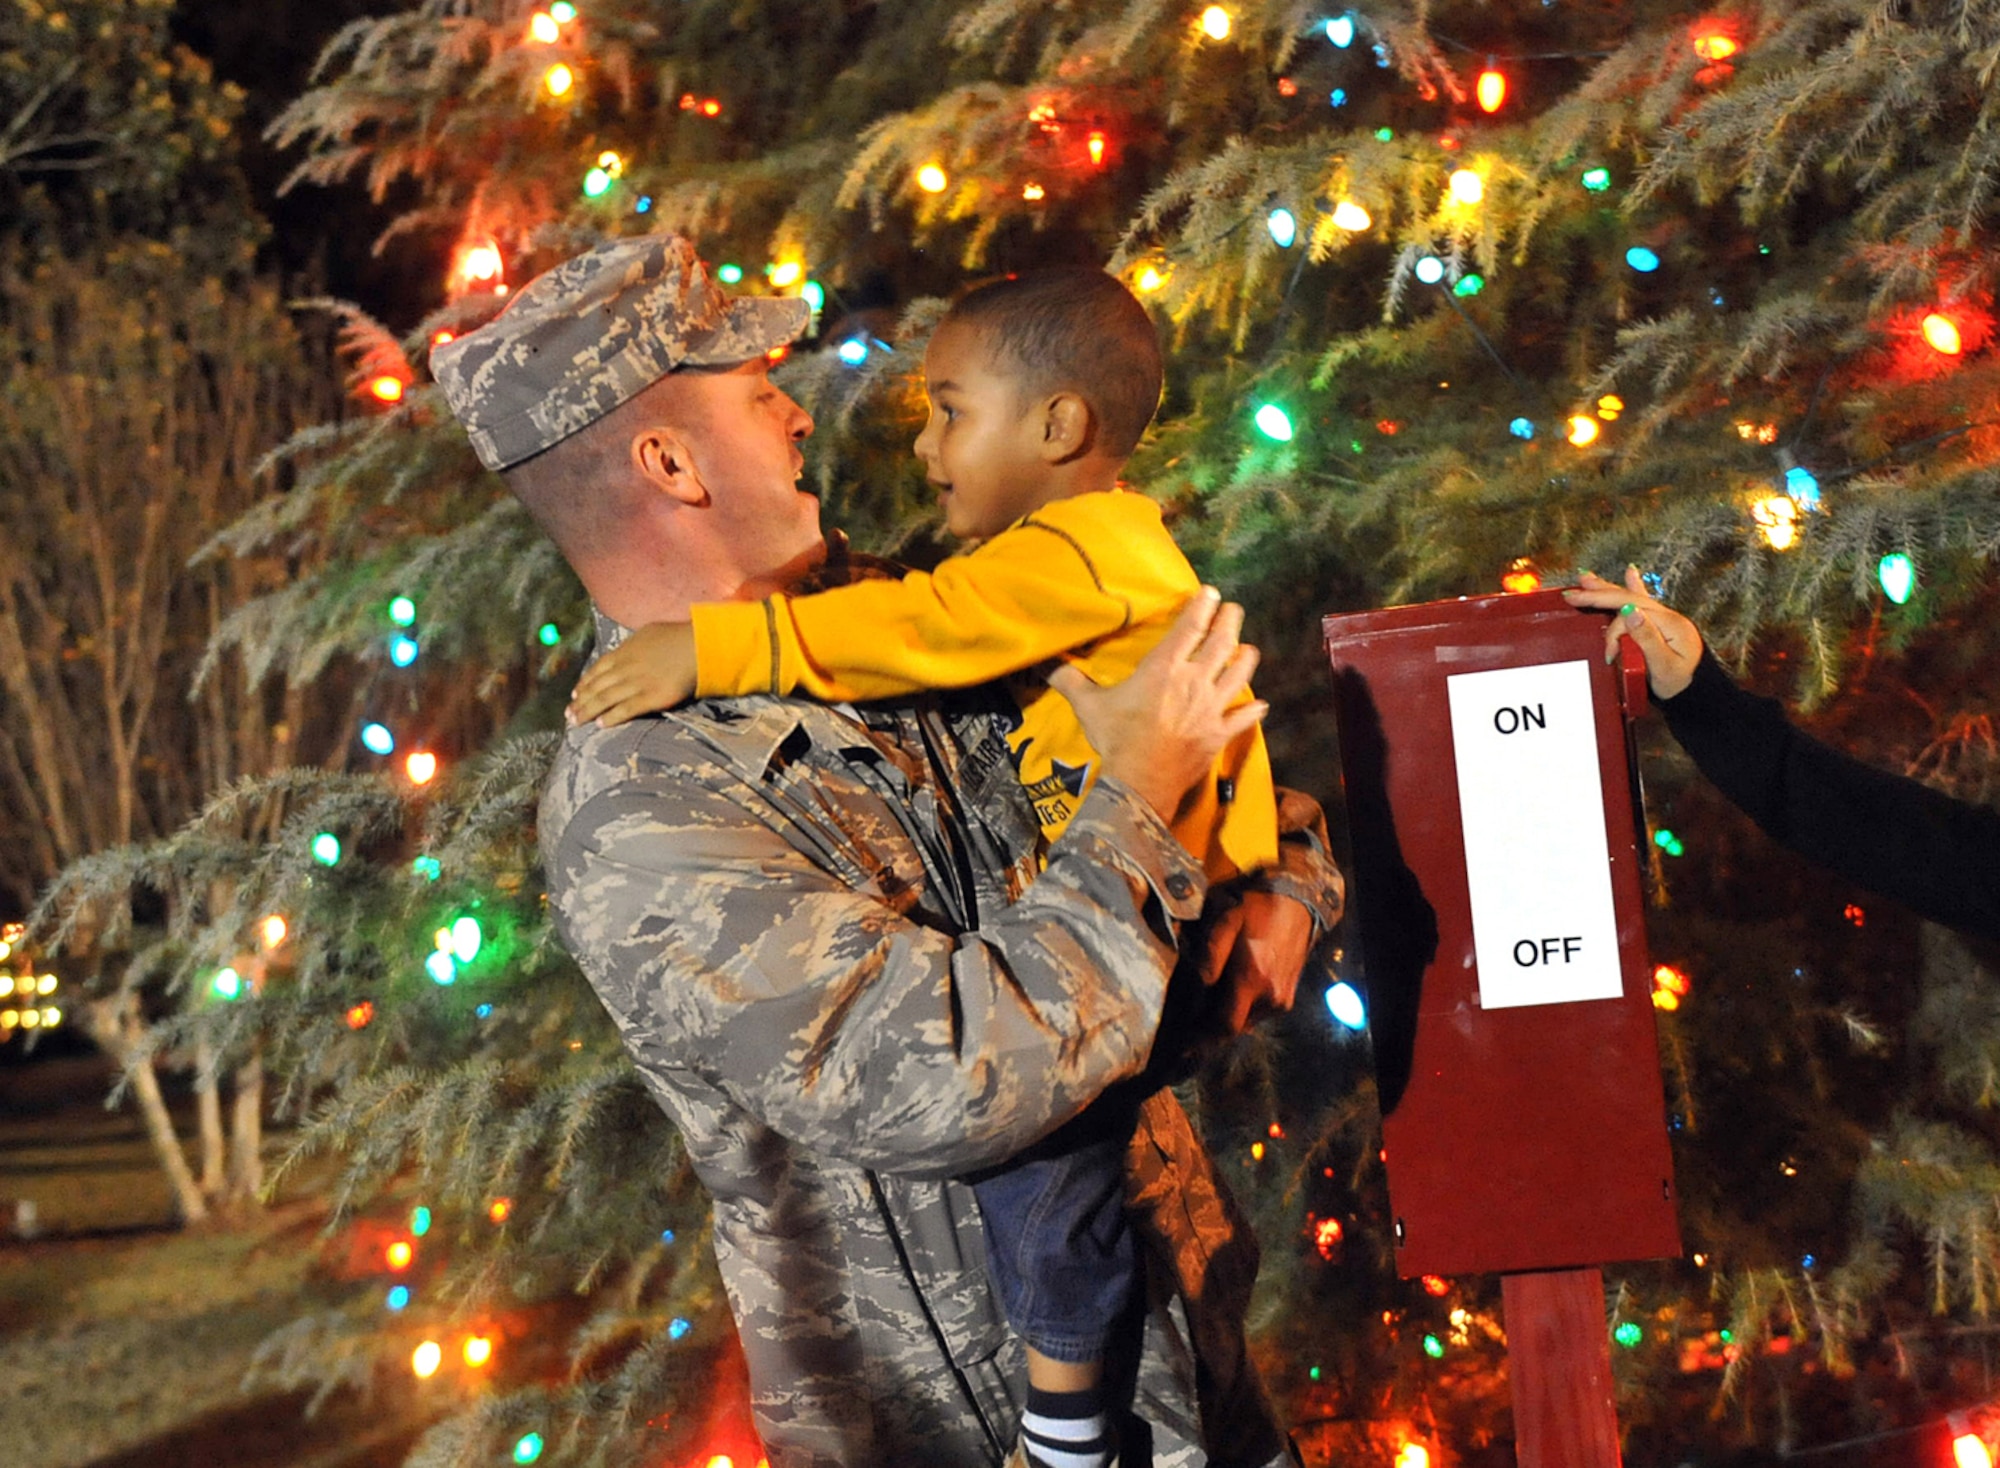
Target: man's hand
1256	950
653	669
1670	643
1160	730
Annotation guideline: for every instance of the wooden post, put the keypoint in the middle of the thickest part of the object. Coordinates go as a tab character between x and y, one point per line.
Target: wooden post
1559	1358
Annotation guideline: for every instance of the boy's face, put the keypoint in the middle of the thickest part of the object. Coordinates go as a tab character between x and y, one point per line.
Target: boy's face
982	445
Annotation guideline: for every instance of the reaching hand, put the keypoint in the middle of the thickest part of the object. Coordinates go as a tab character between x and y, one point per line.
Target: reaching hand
1669	642
650	670
1160	730
1256	949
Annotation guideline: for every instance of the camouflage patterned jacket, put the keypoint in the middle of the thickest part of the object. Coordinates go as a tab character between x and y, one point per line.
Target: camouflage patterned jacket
826	947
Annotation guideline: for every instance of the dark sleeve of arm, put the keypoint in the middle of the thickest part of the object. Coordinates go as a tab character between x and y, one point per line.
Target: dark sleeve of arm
1939	856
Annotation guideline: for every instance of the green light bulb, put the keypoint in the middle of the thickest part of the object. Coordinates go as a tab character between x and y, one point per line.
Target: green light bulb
548	634
1628	1334
1274	423
326	849
1433	1347
403	611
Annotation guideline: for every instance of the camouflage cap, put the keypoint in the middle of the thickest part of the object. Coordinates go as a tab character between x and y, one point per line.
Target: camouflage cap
582	338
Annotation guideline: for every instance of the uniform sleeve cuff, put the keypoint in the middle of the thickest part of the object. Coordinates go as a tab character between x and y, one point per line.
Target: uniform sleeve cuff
1115	815
734	650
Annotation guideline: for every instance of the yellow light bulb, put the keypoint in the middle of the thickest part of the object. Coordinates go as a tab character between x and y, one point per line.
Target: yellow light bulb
558	79
1467	187
1150	280
478	1350
1215	23
6	985
1942	334
931	179
786	273
542	27
1777	518
1583	431
274	929
426	1359
1351	216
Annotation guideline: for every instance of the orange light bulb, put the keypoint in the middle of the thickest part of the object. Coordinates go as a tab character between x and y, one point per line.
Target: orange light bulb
1492	90
386	387
422	767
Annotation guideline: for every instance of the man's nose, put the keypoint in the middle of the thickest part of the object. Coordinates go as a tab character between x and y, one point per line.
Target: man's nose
800	424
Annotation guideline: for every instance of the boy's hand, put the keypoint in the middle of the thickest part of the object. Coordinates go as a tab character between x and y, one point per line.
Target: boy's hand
653	669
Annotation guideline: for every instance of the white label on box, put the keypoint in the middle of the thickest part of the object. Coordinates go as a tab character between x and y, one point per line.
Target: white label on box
1532	807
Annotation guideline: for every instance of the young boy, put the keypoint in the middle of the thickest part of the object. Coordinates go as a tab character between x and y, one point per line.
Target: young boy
1040	387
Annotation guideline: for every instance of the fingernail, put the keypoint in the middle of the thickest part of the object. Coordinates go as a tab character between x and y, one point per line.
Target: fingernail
1611	653
1631	614
1211	593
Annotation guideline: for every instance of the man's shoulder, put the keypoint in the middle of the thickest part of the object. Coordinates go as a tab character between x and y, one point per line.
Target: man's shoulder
663	756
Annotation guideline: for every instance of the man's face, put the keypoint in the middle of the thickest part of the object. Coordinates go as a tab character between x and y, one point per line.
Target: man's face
981	444
746	450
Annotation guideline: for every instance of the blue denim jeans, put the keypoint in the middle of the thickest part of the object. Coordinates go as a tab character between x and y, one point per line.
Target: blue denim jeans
1059	1248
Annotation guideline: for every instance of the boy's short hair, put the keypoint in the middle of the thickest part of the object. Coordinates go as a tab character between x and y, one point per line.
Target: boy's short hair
1077	330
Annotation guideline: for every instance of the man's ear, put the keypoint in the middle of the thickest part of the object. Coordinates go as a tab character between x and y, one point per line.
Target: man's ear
662	456
1069	428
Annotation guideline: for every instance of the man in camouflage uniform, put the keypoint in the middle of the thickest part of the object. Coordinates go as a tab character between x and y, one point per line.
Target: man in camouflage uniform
821	930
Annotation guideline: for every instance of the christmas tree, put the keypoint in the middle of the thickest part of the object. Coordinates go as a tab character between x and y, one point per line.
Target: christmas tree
1458	298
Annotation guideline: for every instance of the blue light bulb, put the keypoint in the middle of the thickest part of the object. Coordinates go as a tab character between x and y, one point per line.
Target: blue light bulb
1284	227
376	739
1522	428
442	968
1803	487
1642	259
403	651
1340	31
1430	270
1343	1002
853	351
399	1296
